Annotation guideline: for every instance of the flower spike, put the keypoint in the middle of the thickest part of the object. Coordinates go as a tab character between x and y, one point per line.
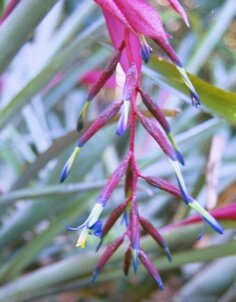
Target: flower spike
129	24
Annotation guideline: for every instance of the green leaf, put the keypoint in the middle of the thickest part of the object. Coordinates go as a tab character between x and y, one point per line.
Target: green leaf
25	17
60	61
80	266
28	253
217	101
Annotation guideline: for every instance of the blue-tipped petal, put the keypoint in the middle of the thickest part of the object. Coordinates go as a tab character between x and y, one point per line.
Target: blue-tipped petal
135	260
94	277
184	194
97	228
168	254
215	225
180	157
159	283
123	120
67	168
145	49
145	53
195	99
126	218
181	183
207	217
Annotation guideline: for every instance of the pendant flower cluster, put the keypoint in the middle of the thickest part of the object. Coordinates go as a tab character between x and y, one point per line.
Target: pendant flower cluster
129	24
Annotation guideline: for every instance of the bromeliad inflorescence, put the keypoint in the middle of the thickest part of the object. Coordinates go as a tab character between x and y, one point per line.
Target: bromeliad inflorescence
129	24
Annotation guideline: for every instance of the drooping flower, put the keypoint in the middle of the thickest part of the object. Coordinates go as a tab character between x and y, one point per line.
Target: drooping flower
130	24
92	224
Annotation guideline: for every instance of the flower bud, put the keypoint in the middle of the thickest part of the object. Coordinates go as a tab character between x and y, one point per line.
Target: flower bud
109	251
150	268
163	185
155	110
156	133
113	182
148	227
127	261
102	120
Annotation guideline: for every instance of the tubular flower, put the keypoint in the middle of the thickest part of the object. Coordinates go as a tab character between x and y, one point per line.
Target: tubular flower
130	24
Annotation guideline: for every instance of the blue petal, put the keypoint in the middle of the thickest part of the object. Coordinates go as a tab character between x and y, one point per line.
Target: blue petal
97	228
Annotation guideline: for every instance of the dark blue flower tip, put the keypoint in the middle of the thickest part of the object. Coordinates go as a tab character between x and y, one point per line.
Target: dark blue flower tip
145	53
186	198
126	218
215	225
99	245
168	254
159	283
135	261
201	233
97	228
64	174
195	99
120	131
80	123
94	277
180	157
